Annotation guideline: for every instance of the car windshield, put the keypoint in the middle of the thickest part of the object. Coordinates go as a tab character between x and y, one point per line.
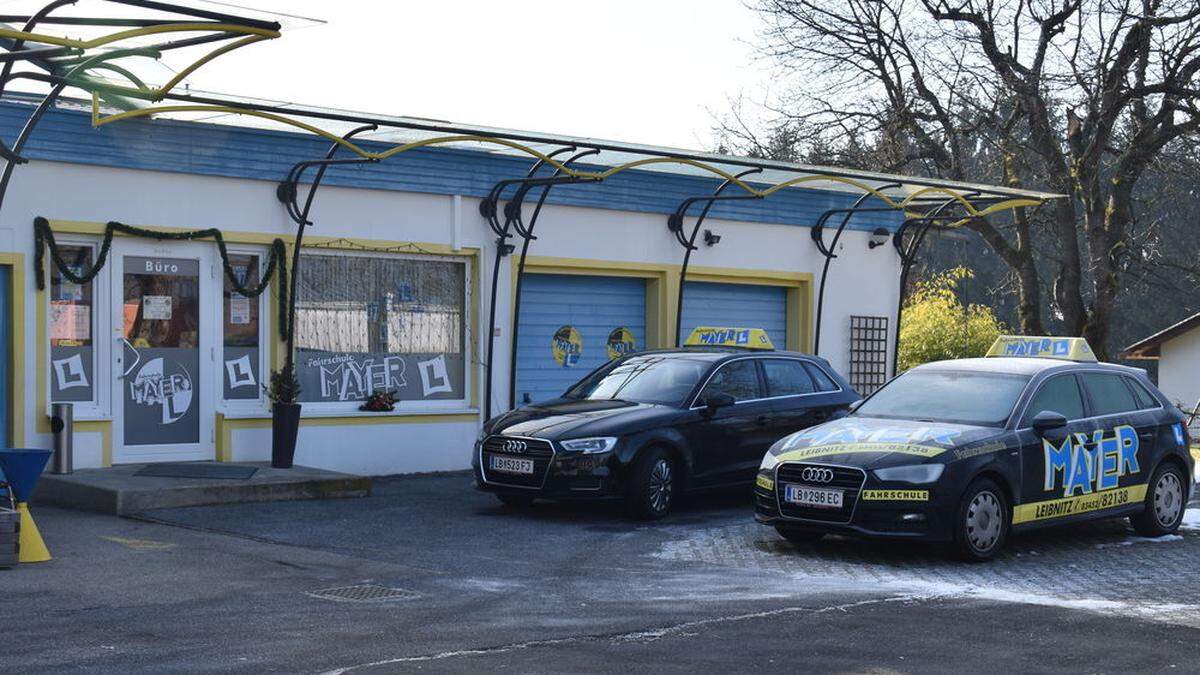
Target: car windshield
643	379
953	397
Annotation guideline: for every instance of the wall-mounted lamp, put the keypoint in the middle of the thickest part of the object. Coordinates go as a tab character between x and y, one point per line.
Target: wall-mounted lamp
879	237
711	238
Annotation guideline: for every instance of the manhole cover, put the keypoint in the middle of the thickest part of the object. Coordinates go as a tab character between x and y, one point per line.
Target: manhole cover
364	593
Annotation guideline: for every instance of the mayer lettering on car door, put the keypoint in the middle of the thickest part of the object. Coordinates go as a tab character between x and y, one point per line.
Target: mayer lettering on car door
1096	462
1120	415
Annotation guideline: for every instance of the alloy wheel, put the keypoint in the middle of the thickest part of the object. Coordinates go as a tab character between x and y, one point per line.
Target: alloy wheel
660	485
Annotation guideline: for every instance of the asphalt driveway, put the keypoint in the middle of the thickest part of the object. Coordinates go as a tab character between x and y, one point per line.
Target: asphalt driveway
428	574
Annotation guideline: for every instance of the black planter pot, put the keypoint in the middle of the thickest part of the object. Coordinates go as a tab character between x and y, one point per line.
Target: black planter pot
285	426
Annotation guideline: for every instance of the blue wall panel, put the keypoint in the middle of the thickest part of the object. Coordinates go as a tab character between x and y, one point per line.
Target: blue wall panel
595	306
66	135
7	325
741	305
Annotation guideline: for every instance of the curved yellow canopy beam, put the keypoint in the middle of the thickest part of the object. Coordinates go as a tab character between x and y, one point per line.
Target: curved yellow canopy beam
901	205
42	38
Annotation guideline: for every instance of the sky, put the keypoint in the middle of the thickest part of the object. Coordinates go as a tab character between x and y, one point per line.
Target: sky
648	71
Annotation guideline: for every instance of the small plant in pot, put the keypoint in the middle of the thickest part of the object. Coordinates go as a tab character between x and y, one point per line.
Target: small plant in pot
285	415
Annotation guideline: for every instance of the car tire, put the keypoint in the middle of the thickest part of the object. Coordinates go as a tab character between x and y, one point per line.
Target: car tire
515	501
652	484
981	522
1166	502
799	536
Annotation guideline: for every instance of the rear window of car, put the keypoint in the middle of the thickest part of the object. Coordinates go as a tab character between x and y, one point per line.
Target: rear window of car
1145	399
820	378
1109	393
1058	394
786	377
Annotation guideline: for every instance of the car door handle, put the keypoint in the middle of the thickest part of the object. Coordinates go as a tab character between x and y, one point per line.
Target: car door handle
763	420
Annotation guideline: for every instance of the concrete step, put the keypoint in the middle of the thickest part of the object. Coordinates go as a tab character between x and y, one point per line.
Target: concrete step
116	490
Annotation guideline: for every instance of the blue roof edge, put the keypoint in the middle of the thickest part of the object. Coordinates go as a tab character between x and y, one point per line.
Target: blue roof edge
176	146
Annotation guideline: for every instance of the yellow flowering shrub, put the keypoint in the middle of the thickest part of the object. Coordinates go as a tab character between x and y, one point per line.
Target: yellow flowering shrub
936	325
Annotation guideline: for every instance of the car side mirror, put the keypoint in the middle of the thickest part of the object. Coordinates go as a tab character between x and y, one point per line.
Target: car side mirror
715	401
1047	421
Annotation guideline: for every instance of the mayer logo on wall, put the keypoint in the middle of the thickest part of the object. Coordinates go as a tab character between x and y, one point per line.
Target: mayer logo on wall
567	346
620	342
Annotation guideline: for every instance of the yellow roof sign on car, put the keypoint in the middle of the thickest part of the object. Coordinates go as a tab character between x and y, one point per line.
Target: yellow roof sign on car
1067	348
746	338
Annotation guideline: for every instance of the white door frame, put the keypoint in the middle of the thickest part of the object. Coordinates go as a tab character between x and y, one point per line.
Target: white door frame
206	385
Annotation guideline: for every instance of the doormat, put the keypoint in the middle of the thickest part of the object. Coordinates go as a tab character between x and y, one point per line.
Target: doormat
197	471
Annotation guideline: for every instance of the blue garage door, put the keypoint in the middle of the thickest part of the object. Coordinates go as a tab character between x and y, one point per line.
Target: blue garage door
7	321
571	324
741	305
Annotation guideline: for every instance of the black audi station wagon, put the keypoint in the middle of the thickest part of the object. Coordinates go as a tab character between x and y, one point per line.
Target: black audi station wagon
647	426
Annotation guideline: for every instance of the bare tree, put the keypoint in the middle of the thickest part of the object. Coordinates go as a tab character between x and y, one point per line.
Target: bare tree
1077	97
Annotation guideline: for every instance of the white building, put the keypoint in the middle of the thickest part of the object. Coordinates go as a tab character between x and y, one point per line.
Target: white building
1177	350
163	362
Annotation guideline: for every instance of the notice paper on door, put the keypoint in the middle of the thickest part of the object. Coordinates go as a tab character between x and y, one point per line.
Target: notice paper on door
239	309
156	307
69	321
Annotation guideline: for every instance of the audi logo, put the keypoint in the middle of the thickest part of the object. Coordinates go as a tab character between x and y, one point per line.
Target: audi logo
817	475
515	446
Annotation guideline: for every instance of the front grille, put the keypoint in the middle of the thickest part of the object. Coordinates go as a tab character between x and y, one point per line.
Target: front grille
850	481
540	451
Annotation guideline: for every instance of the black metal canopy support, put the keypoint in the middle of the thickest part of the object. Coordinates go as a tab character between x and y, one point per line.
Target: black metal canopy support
288	193
908	255
489	209
675	225
527	236
818	236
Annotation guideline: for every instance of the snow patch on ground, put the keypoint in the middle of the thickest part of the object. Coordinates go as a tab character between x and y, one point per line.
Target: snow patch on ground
1174	612
1130	541
1191	519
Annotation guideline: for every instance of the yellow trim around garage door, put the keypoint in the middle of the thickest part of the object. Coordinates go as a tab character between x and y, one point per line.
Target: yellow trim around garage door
799	289
661	282
662	291
16	264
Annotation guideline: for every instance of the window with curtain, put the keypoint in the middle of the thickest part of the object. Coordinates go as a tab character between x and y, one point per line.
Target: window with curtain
368	323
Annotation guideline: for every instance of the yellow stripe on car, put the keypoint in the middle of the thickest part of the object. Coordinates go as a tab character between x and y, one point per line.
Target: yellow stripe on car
1069	506
858	448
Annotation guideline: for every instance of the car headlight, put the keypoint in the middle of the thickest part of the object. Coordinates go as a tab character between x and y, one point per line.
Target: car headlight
769	461
589	446
915	473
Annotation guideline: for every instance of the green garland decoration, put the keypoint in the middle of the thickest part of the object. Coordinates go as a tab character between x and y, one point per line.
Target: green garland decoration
43	238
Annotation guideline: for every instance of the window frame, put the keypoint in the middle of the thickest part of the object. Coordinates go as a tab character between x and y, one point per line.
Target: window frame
696	400
100	406
758	376
1091	401
766	381
260	404
1133	383
1085	402
1087	398
409	407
